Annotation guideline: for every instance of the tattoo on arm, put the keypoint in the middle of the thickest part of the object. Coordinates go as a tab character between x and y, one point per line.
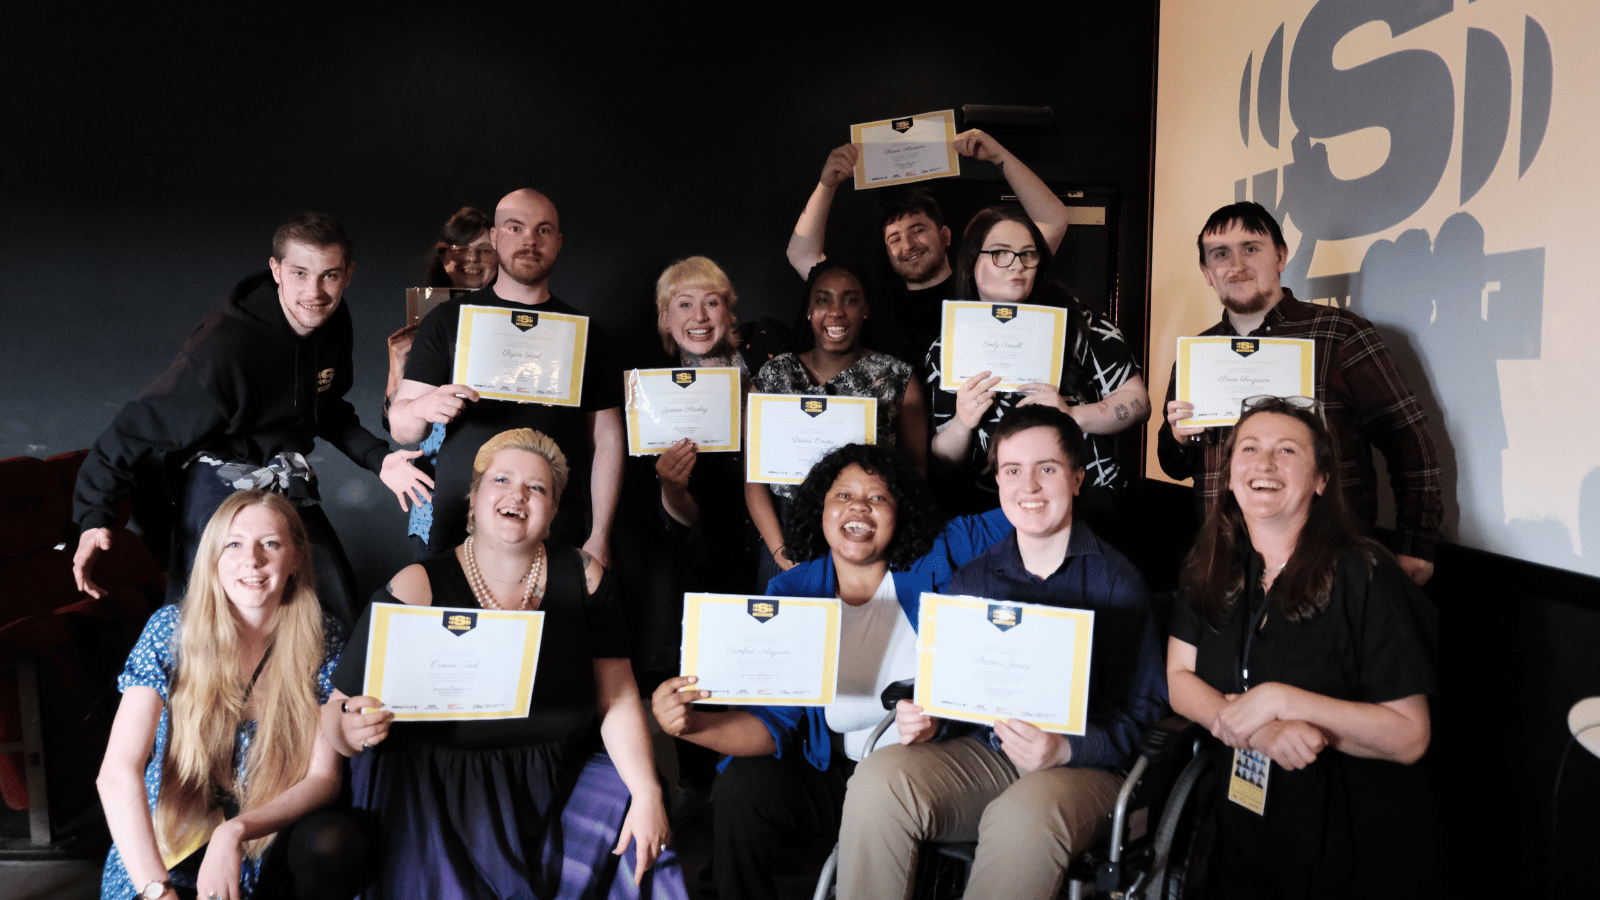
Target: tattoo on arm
390	588
1122	412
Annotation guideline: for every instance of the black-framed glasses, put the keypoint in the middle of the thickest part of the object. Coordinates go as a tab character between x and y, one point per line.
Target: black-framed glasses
469	251
1273	403
1002	258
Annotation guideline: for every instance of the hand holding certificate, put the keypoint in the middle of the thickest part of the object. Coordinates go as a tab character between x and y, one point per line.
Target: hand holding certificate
522	354
983	661
665	406
1217	373
762	650
790	432
900	151
433	663
1018	342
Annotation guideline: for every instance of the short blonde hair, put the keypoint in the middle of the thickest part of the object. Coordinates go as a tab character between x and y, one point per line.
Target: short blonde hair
693	272
535	442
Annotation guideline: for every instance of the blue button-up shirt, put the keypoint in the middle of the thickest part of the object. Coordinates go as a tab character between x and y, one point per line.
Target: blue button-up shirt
1127	679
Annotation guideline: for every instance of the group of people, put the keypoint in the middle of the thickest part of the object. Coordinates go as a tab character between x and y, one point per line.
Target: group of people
1297	636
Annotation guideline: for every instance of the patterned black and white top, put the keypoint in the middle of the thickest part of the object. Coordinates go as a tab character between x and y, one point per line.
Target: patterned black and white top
877	375
1107	363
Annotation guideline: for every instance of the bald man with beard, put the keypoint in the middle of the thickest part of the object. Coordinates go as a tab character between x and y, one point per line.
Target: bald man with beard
527	237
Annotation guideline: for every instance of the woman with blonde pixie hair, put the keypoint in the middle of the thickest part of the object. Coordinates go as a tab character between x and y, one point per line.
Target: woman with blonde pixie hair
215	749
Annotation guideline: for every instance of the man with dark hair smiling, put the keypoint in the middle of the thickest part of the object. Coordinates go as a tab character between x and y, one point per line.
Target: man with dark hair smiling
1364	398
527	238
253	388
1030	798
917	240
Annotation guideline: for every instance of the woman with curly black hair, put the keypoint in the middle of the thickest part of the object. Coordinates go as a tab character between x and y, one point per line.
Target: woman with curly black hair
863	529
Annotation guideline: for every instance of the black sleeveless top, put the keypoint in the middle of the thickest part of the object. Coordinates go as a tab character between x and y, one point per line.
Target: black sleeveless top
578	628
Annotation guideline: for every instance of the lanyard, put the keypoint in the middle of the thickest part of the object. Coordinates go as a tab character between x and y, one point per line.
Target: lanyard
1251	626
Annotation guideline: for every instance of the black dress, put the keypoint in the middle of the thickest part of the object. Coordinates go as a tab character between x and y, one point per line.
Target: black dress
1344	826
481	809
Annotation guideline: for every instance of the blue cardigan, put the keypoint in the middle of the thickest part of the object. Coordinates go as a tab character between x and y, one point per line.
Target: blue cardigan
962	541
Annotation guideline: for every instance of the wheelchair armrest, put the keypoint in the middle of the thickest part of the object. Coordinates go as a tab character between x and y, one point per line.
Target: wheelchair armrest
897	691
1158	741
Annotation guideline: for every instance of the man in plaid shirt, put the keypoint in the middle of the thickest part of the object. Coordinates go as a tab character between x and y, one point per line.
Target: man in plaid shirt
1365	400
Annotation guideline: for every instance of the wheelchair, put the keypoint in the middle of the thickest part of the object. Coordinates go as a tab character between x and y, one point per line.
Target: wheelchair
1171	784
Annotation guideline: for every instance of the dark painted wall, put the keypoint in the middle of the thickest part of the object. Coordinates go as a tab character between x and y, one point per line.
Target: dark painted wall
145	170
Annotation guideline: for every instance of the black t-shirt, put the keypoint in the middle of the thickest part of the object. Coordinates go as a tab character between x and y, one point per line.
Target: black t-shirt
909	321
432	361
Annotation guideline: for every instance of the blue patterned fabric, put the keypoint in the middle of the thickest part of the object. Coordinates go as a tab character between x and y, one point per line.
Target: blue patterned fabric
421	523
152	664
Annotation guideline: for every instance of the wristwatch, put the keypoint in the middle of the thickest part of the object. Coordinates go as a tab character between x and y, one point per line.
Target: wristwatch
155	889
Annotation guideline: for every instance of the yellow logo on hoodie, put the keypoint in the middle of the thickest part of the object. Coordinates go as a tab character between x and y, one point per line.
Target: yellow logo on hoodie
324	380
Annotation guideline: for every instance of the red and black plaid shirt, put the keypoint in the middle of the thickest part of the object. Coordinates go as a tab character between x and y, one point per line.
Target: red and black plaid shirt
1367	405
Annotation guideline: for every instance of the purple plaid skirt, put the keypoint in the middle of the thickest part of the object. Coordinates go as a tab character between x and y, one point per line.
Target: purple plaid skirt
530	823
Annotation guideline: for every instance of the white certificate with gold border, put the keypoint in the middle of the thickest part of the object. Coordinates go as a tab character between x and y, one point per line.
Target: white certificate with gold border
984	660
789	433
432	663
911	148
1020	342
522	354
1217	373
665	406
762	650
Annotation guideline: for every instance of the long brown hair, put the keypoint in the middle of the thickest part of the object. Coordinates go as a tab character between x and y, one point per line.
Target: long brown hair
208	697
1214	573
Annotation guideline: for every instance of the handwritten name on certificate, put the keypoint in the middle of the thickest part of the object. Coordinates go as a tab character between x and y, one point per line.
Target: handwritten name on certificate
522	354
900	151
431	663
667	405
1019	342
984	660
759	650
1217	373
790	432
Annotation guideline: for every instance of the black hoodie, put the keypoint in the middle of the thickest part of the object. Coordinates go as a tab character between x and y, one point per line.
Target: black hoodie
244	388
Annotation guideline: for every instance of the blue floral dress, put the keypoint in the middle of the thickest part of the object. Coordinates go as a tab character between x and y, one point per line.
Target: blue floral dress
152	664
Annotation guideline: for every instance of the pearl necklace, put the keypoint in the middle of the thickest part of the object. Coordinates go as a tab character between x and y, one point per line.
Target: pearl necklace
480	588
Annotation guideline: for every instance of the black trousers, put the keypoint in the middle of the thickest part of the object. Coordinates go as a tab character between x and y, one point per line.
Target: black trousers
766	806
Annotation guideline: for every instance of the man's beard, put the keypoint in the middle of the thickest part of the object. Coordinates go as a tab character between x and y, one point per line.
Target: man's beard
532	272
920	270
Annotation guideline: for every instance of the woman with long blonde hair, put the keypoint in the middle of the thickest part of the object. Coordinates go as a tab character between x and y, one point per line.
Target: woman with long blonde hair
216	749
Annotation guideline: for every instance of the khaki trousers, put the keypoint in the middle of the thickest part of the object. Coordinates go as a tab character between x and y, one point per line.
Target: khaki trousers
1028	827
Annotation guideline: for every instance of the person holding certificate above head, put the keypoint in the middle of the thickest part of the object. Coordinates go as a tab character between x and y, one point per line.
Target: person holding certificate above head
1301	645
527	241
215	764
463	258
1365	400
1032	799
916	240
1006	259
521	806
830	358
863	529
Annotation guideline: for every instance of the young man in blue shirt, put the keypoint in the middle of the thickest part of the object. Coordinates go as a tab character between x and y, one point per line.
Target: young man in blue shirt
1031	799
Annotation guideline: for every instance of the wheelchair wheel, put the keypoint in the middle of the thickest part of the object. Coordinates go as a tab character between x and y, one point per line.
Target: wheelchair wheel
1185	835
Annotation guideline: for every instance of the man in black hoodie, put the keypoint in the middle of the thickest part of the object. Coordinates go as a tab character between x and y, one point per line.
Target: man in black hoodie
241	407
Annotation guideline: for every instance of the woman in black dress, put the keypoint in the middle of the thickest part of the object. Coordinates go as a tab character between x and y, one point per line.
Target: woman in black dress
513	807
1297	644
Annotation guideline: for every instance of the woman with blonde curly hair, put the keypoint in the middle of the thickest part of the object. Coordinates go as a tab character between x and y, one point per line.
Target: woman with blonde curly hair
215	750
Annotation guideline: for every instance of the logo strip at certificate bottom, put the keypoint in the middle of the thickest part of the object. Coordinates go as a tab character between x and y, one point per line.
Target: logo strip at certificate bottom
981	660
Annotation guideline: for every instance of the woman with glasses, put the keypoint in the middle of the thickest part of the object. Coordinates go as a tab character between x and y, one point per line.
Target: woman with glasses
1005	259
1297	644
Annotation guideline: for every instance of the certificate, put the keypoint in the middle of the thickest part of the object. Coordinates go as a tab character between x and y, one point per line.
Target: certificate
900	151
522	354
790	432
984	660
1216	373
667	405
760	650
428	663
1019	342
421	301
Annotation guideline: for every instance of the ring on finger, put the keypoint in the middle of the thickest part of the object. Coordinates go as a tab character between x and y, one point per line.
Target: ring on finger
344	706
